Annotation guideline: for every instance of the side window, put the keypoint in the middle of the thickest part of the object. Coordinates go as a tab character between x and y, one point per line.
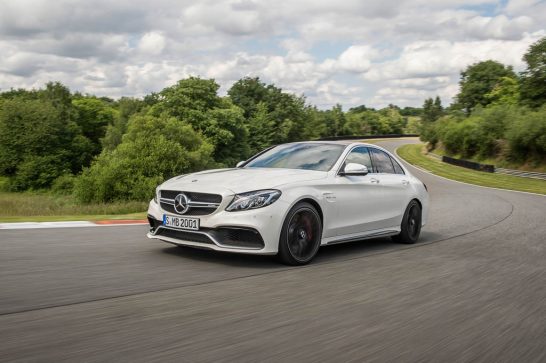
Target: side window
397	168
360	155
382	162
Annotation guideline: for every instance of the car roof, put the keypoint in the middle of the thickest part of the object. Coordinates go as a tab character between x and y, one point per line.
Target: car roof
334	142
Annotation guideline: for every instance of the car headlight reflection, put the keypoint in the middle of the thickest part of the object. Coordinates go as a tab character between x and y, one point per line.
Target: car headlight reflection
156	195
253	200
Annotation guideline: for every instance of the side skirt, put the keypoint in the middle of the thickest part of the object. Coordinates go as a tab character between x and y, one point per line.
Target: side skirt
343	239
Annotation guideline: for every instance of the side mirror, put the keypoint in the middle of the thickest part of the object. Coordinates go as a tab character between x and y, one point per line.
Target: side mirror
240	163
354	169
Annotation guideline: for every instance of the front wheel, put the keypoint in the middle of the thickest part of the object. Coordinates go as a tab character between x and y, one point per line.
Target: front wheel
301	234
411	224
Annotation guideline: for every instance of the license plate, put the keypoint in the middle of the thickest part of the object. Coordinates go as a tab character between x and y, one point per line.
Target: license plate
181	222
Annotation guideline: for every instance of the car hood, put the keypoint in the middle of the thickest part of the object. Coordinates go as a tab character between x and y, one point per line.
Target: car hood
240	180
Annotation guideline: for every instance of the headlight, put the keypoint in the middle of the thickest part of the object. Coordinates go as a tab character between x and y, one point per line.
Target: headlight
253	200
156	195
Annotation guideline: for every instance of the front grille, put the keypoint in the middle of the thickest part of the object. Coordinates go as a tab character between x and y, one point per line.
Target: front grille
195	197
184	235
198	209
224	236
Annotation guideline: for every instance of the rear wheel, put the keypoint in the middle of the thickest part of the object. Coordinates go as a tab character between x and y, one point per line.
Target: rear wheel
411	224
300	235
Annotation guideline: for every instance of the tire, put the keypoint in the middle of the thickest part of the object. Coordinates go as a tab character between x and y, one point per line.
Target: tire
301	234
411	224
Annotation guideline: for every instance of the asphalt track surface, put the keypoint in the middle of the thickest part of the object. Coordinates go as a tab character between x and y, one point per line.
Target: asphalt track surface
472	289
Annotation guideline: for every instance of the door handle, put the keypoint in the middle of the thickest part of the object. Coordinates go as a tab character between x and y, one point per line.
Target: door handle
405	182
374	180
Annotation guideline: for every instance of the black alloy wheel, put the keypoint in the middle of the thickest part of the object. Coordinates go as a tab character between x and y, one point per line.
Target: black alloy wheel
411	224
300	235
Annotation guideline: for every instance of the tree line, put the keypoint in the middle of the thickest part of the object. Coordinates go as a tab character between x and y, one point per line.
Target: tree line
496	114
104	150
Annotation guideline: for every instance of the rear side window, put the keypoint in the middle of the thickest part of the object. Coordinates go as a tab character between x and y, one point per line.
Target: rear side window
382	162
359	155
397	168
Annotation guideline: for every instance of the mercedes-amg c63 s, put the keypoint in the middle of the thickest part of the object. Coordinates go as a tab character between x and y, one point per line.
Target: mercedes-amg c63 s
290	199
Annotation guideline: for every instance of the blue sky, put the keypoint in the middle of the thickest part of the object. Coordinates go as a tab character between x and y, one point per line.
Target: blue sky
350	52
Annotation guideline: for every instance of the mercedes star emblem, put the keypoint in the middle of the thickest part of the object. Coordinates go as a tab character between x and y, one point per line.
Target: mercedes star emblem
181	203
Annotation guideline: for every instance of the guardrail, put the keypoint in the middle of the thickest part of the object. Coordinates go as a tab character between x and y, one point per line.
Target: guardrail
469	164
488	168
522	173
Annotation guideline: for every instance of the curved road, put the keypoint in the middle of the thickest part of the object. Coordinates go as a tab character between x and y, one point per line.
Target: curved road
472	289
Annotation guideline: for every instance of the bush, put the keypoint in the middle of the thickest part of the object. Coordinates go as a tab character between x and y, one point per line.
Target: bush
471	136
64	184
37	172
4	184
492	123
526	136
39	140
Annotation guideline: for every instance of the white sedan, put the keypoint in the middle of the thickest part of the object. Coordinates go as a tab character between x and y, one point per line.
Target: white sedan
290	199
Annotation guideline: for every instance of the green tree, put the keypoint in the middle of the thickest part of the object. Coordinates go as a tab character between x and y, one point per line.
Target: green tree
357	122
225	128
289	112
59	95
126	107
526	135
314	126
432	109
393	119
505	92
189	99
413	126
335	122
411	111
478	80
261	129
36	142
360	108
93	116
248	93
195	101
533	79
153	150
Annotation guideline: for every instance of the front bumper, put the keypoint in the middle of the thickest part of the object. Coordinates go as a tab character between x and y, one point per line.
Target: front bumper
255	231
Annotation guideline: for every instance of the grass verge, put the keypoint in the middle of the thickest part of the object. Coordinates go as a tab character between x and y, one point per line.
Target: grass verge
39	207
498	162
413	154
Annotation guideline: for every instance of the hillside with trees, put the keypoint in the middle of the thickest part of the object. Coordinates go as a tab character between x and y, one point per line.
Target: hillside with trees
498	116
101	150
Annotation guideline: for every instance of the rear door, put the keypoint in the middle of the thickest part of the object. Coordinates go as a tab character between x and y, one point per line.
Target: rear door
395	187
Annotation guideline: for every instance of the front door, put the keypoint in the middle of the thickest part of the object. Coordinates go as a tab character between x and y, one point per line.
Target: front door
358	198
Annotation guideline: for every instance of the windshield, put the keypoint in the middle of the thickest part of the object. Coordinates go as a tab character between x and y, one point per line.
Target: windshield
308	156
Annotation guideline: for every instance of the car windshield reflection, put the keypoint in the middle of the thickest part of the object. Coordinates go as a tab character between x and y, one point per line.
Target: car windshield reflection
306	156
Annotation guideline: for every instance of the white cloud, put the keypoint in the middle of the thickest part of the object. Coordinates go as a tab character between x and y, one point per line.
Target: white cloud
351	52
152	43
423	59
357	58
333	92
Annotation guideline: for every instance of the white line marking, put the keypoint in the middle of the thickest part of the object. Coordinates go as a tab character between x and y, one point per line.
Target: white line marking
66	224
34	225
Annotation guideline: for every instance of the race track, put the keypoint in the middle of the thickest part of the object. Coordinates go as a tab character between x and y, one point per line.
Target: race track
472	289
